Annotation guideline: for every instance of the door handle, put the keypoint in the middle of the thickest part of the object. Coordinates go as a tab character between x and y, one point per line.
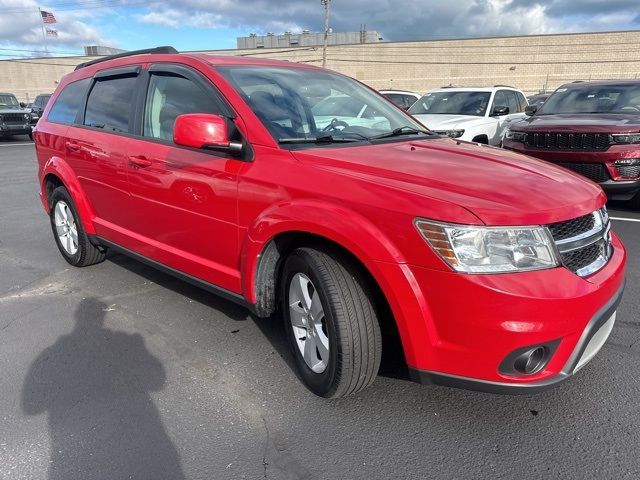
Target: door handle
140	161
73	147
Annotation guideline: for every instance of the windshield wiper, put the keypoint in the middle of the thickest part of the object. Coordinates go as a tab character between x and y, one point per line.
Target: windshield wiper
396	132
320	139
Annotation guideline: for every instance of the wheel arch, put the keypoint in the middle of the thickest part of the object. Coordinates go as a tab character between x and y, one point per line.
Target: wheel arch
56	173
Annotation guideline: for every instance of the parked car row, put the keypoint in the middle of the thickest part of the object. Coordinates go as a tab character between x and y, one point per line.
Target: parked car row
591	128
288	188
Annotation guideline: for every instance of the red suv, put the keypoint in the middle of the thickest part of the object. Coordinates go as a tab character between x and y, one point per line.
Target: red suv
498	272
592	128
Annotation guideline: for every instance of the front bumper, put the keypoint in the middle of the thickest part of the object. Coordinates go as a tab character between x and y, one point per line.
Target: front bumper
457	329
591	341
8	130
616	188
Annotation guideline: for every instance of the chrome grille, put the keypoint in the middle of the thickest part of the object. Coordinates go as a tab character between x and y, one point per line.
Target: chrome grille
572	228
584	243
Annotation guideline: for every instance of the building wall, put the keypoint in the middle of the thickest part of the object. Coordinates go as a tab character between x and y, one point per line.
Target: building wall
307	39
530	63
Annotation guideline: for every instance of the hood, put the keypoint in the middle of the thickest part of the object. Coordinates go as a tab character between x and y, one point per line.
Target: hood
582	123
449	122
498	186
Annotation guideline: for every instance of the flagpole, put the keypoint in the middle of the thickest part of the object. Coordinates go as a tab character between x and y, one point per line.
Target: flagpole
44	36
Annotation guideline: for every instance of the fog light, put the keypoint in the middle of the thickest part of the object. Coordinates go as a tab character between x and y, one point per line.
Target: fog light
528	360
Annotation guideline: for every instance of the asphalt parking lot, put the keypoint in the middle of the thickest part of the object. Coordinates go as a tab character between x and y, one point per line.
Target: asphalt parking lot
119	371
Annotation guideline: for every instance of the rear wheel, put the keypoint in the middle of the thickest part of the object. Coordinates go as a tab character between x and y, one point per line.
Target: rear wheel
69	234
331	322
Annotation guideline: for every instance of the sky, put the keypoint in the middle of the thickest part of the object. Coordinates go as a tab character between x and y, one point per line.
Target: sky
215	24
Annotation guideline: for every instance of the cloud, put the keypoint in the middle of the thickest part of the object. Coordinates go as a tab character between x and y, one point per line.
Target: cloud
21	28
401	19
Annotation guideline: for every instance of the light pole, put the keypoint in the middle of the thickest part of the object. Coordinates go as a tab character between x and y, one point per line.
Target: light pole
325	4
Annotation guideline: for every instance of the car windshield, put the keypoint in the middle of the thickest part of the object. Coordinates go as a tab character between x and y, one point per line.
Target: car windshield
593	99
301	105
452	103
8	101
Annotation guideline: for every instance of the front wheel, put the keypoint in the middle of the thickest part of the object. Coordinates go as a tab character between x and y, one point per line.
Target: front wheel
331	322
71	239
635	202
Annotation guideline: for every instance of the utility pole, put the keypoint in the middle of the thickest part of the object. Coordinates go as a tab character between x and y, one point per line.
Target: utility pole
325	4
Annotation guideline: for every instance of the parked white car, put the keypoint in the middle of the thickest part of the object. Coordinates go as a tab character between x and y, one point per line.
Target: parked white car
474	114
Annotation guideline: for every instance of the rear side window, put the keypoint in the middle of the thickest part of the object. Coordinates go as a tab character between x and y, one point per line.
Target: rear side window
110	103
66	107
512	101
522	101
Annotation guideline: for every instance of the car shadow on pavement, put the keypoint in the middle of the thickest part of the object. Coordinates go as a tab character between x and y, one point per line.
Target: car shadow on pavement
94	385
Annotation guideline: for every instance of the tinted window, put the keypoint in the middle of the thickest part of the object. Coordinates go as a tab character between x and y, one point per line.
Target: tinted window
452	103
522	101
110	102
169	96
594	99
69	101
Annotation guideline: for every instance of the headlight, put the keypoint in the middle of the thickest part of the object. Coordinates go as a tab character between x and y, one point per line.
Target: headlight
450	133
625	138
472	249
516	136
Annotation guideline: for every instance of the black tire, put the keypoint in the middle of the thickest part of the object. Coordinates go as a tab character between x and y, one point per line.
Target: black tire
87	253
355	341
635	202
30	136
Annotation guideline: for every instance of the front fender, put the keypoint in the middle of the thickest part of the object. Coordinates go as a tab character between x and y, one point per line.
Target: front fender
59	168
345	227
365	241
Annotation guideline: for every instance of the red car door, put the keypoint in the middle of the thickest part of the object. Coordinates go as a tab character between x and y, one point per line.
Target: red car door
185	199
97	149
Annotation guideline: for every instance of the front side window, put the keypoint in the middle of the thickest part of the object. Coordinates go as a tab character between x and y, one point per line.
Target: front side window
110	103
306	104
65	109
169	96
593	99
8	101
452	103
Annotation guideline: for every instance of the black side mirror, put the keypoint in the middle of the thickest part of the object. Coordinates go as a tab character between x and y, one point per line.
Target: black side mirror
499	111
22	104
530	110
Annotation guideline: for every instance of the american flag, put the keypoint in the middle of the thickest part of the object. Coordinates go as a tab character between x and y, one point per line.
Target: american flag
51	32
47	17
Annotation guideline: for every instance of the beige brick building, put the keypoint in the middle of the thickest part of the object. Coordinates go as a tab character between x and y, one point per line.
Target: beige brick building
531	63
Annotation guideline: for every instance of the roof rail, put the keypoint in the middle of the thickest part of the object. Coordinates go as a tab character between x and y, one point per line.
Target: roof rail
156	50
507	86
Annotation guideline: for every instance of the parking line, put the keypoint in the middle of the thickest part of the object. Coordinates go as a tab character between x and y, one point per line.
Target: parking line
15	144
623	219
